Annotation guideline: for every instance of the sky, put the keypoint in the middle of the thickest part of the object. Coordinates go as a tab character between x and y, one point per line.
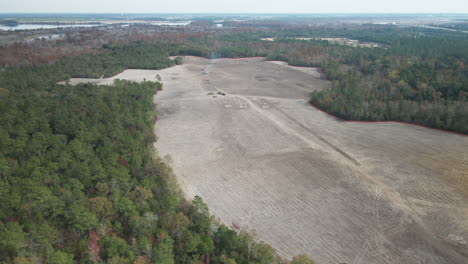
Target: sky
233	6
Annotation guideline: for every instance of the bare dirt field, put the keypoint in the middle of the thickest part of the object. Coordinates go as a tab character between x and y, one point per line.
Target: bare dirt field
341	41
341	192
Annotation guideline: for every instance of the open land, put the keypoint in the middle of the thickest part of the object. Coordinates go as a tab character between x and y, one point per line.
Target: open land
341	41
241	134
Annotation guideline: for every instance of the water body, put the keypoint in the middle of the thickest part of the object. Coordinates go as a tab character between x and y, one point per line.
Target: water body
48	26
43	26
164	23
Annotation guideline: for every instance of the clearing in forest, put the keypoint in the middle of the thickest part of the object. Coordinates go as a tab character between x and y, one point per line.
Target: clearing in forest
241	135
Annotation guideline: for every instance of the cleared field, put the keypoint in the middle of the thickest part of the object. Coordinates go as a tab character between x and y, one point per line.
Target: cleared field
264	159
341	41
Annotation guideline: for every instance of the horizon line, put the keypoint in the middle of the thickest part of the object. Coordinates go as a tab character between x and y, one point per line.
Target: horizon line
240	13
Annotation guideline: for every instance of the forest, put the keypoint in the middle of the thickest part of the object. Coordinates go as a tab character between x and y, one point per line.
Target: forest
81	181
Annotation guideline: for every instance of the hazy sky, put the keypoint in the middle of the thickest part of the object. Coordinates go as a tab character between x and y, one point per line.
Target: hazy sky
235	6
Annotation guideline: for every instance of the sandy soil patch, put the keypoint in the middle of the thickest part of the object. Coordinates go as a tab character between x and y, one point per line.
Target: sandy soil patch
341	41
309	70
130	75
341	192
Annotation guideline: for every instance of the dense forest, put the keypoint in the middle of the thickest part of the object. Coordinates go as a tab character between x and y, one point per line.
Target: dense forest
81	182
419	78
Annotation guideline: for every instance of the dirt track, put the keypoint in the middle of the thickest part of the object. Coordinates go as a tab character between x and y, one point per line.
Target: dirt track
262	158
